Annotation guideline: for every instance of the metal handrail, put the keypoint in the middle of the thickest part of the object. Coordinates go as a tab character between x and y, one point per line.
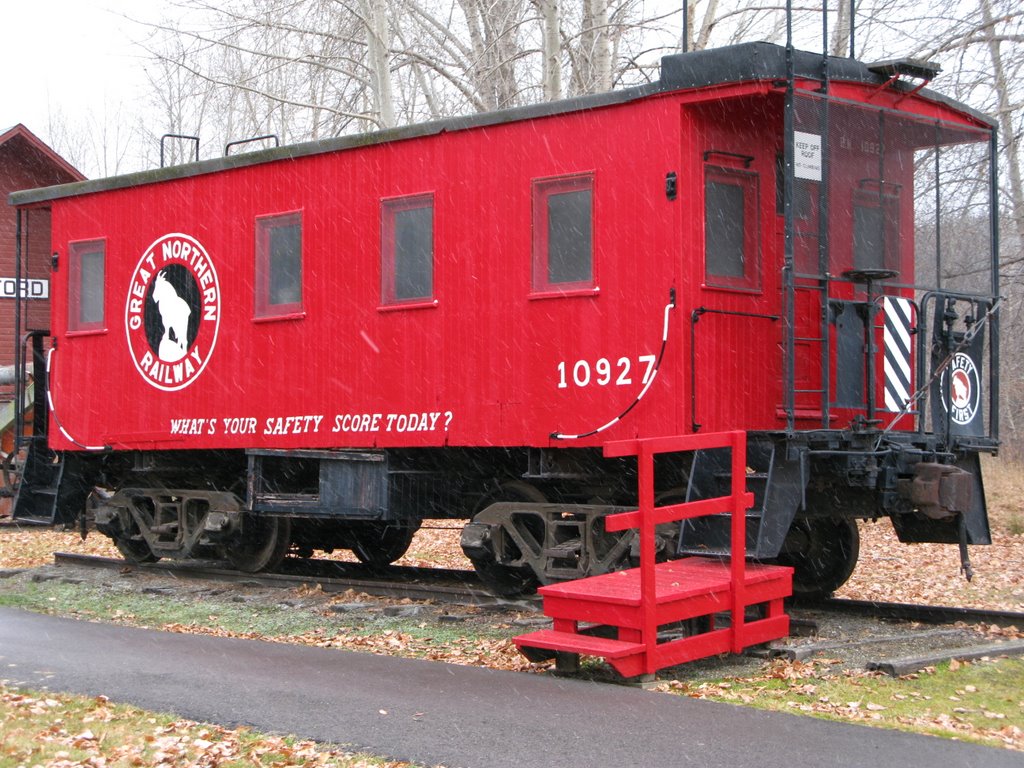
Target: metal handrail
178	136
265	137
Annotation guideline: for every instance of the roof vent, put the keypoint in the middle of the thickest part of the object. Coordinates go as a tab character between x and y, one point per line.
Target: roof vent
912	69
915	68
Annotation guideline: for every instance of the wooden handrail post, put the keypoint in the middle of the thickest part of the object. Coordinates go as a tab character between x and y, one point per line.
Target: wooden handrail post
738	550
648	586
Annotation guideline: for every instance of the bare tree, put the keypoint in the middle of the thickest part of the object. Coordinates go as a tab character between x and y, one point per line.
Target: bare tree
551	52
310	68
378	44
99	142
979	45
295	68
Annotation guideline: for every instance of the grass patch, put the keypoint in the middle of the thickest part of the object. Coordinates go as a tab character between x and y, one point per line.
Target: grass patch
1004	489
981	702
58	729
111	603
281	621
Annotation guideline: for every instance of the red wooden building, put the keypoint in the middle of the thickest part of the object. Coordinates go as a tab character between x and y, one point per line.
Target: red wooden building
26	162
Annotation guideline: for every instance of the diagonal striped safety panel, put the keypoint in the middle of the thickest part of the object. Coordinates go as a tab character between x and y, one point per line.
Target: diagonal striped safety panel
898	314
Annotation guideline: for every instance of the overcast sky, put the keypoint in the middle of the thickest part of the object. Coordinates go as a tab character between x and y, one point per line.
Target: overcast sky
69	56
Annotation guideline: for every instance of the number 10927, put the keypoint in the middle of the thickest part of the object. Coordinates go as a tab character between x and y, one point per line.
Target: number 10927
604	372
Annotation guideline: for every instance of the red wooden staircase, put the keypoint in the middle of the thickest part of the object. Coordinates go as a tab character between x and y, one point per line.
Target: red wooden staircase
617	615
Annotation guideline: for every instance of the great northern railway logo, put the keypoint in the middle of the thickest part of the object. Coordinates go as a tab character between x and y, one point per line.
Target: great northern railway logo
172	314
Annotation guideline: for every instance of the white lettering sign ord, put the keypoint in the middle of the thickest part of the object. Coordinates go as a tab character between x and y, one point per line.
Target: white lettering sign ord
30	289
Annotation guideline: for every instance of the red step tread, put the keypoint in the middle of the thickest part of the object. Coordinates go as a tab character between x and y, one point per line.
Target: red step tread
675	580
589	645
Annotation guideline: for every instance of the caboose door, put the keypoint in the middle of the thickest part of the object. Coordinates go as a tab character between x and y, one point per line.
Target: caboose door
735	316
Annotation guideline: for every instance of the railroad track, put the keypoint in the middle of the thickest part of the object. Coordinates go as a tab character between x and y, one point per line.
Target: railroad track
442	585
7	522
898	644
896	650
463	586
926	614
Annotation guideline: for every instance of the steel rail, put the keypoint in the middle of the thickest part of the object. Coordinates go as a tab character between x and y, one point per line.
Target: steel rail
395	581
22	523
926	614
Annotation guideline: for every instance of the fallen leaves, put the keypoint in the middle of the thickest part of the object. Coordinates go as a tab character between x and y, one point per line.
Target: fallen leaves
33	546
53	731
466	651
929	574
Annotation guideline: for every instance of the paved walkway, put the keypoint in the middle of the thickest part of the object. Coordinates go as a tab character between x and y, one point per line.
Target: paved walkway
439	714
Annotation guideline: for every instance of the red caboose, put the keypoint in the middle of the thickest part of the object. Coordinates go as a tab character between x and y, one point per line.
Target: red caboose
318	346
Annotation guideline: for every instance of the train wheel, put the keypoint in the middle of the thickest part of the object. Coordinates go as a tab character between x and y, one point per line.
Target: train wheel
508	580
380	544
128	540
135	549
261	545
822	552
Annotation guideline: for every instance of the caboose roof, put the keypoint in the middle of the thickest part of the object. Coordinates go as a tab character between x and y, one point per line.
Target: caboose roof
746	62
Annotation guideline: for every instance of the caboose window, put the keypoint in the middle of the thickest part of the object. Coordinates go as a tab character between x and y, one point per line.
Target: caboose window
86	293
563	234
731	224
279	265
407	250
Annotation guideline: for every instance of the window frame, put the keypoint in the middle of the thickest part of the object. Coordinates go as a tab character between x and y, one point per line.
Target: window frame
264	309
76	251
389	208
542	190
750	184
